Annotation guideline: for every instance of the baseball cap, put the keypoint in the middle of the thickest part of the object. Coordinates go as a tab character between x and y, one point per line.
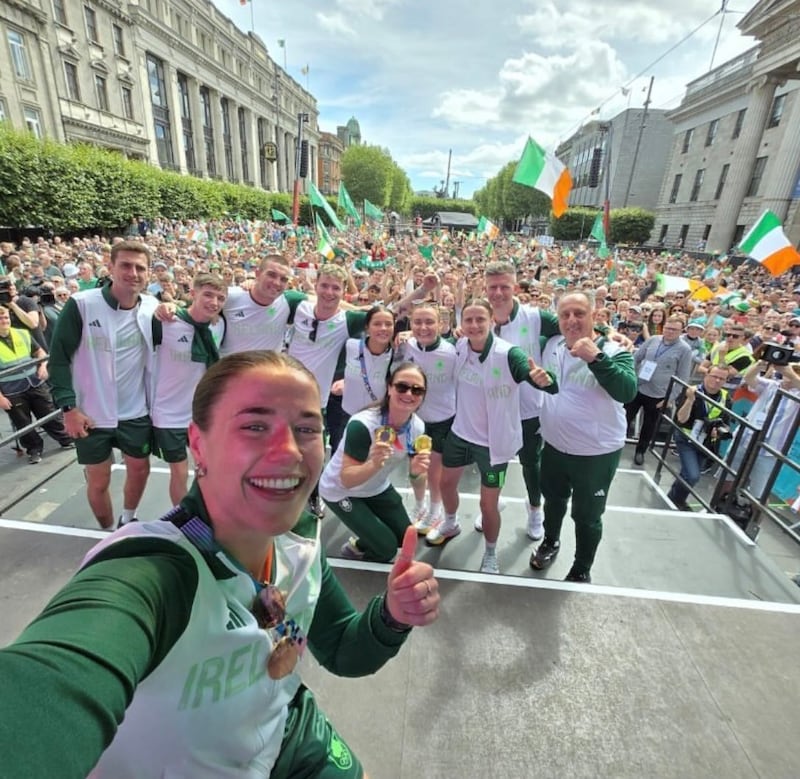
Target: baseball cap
795	320
696	323
70	270
159	264
637	309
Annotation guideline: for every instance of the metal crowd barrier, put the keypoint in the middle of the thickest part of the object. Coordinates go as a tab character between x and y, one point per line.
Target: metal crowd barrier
734	480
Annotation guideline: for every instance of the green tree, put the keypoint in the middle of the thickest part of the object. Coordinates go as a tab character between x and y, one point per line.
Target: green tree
426	207
573	225
519	201
631	225
367	173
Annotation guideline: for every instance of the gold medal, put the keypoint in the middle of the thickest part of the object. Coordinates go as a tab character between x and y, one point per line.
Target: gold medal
423	444
385	434
283	659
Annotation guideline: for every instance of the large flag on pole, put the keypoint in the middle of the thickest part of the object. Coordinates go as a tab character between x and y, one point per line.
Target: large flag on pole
346	202
542	170
279	216
316	198
766	243
599	234
697	290
372	211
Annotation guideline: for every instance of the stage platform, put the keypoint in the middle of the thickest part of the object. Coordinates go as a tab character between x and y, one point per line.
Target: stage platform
680	661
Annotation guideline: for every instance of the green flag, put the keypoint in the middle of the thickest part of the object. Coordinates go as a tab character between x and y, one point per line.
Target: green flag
599	234
346	202
322	231
426	251
371	211
315	196
279	216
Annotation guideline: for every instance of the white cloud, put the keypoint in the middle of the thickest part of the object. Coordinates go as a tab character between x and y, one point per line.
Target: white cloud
335	23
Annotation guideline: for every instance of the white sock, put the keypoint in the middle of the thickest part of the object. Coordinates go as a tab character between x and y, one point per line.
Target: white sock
419	505
127	515
491	547
450	519
436	509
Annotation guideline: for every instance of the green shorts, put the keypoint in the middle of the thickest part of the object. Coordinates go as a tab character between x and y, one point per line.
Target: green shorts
311	746
438	432
169	443
458	453
133	437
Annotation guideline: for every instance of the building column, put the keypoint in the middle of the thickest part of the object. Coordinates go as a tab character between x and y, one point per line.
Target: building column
747	147
175	122
785	168
198	121
219	126
280	163
238	173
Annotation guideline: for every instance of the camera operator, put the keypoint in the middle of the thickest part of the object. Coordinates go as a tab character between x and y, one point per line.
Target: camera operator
51	304
700	423
24	310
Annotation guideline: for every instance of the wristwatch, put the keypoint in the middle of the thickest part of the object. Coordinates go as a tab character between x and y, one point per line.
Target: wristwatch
390	621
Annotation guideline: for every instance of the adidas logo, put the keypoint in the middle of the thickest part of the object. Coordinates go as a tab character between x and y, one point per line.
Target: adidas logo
600	494
239	315
184	339
95	323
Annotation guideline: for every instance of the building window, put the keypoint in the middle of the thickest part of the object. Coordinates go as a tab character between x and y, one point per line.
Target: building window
19	58
706	233
158	86
118	37
676	185
59	12
71	76
777	111
32	121
127	102
90	16
758	172
183	90
101	92
682	236
3	112
227	142
698	182
208	131
687	140
241	116
662	236
263	132
738	234
163	144
712	132
737	128
722	178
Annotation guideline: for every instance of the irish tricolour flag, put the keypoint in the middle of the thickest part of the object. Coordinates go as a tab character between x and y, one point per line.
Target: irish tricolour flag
542	170
766	243
488	228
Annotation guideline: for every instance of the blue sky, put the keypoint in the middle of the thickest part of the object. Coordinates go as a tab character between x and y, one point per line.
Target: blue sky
426	77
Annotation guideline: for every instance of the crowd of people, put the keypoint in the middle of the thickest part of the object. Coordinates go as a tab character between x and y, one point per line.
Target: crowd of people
236	344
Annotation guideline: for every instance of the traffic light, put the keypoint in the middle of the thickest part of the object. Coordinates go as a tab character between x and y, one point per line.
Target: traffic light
594	167
303	159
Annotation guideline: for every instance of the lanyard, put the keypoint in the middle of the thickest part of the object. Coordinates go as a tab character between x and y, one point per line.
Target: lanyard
662	348
364	377
406	428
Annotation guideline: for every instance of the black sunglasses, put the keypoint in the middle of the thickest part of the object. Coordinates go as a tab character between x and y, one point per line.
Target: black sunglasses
312	335
732	335
415	389
288	640
772	329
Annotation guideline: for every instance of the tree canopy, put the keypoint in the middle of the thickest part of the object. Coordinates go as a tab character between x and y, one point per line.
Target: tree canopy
370	173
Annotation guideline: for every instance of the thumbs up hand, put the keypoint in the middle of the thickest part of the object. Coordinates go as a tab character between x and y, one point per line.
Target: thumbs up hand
539	376
412	593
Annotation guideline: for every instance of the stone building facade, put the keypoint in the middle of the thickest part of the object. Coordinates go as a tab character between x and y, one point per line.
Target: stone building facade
736	149
172	82
330	160
634	147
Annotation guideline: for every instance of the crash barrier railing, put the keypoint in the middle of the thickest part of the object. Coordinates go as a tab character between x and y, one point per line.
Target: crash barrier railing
730	489
36	423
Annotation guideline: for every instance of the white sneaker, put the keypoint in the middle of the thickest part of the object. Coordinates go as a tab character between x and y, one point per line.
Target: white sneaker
424	521
478	523
350	550
535	528
489	562
441	532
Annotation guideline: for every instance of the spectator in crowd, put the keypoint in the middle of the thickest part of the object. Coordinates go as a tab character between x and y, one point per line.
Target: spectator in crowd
24	394
700	422
657	360
356	482
23	310
235	575
583	427
102	342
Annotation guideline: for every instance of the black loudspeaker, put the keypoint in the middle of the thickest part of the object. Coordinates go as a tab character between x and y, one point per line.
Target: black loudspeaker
594	167
303	159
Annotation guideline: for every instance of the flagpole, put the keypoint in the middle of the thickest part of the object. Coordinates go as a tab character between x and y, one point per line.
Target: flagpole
252	17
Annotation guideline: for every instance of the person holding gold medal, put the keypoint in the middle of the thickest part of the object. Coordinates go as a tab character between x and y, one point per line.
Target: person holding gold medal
356	484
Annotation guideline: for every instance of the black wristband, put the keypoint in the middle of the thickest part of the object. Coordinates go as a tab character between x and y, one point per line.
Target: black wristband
67	408
390	621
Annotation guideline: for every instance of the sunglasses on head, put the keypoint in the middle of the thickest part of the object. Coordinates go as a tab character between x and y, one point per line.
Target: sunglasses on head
402	388
288	640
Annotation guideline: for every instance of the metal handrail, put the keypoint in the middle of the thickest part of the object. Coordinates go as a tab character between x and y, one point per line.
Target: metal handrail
24	364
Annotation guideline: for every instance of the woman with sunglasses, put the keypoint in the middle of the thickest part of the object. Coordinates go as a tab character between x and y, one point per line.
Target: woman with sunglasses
175	650
487	428
366	362
356	482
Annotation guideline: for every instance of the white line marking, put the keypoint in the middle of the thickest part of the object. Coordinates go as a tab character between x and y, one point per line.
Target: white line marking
56	530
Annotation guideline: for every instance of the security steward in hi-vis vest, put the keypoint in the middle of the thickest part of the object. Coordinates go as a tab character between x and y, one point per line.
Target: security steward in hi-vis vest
23	391
700	422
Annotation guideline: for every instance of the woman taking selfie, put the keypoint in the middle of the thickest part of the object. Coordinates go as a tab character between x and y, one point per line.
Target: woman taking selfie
174	651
